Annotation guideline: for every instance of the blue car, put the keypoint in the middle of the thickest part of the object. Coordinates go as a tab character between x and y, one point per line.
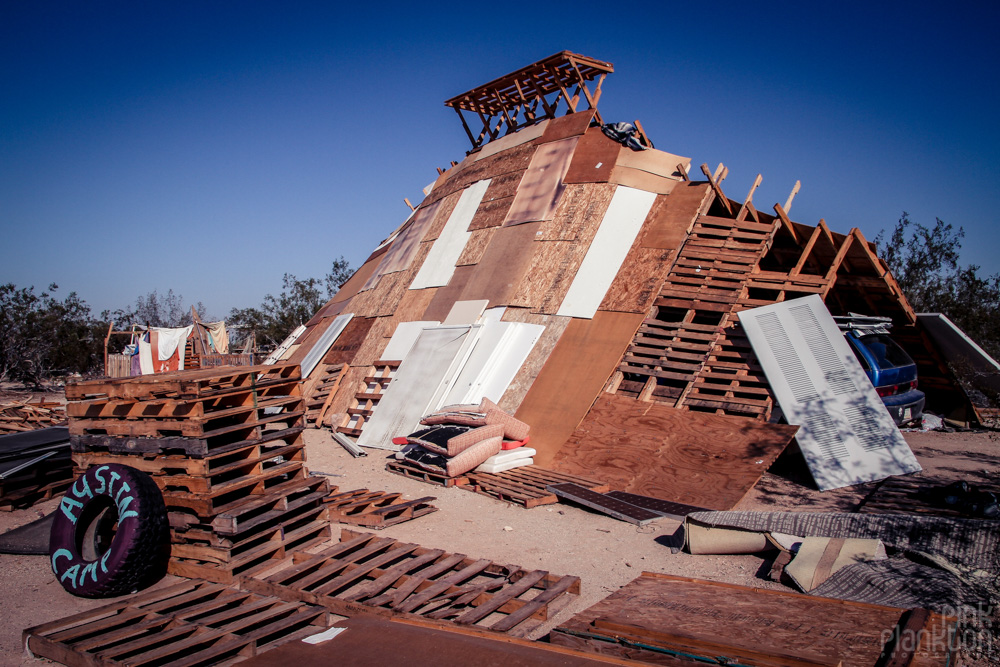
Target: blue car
891	371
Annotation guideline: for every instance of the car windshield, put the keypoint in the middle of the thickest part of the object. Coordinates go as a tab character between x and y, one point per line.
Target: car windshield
888	354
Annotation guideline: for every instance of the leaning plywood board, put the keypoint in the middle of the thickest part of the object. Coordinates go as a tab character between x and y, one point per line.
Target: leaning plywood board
439	265
659	614
320	347
847	435
421	381
654	450
621	224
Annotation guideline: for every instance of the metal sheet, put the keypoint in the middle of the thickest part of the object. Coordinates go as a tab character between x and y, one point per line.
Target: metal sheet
619	227
846	434
319	349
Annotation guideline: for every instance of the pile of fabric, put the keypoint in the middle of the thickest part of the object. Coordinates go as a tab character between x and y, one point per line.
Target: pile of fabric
460	438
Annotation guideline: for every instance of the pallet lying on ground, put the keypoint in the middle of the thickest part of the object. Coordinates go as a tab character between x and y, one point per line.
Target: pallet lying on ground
658	616
369	574
191	623
375	509
413	471
527	485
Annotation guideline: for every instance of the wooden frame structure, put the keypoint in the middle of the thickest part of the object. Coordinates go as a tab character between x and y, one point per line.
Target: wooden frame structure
532	94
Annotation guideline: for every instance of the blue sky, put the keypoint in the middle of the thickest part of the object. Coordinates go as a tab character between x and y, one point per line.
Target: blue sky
211	147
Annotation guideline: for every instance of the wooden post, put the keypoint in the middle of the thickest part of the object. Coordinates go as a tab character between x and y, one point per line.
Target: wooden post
107	338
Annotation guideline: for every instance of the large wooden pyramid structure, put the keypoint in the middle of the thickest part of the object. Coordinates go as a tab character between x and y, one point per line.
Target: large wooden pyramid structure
635	269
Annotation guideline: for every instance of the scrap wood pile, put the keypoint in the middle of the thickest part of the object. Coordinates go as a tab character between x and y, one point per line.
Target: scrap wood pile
225	447
34	466
26	415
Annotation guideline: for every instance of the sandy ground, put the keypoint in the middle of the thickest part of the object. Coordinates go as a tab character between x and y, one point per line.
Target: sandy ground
605	553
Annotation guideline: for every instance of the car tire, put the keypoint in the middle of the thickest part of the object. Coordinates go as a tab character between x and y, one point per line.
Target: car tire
110	535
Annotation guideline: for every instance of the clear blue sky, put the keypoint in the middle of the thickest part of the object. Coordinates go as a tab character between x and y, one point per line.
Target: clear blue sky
210	147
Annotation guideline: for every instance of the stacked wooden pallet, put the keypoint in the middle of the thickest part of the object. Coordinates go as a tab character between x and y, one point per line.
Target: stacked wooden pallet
368	393
319	393
224	445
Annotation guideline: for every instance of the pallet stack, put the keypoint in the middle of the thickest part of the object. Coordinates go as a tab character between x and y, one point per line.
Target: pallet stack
224	445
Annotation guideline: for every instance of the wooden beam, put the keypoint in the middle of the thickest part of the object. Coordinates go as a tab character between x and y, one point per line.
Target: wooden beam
787	224
749	198
715	187
791	196
797	269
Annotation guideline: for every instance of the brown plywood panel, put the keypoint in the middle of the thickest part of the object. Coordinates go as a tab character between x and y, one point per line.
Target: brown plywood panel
594	158
570	125
376	340
475	247
413	304
579	213
642	180
502	268
514	159
503	185
331	309
446	296
343	399
755	626
532	366
404	247
441	215
673	214
651	449
639	279
491	213
349	341
550	273
356	281
573	376
653	161
542	184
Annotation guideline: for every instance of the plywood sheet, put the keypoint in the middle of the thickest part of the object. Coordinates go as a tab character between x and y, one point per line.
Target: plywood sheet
642	180
404	247
573	376
439	265
356	281
515	159
619	229
502	268
570	125
594	158
331	309
441	216
554	265
542	184
511	140
653	161
413	304
475	247
491	213
446	296
349	342
673	215
375	342
639	279
532	366
403	338
579	213
749	625
651	449
847	435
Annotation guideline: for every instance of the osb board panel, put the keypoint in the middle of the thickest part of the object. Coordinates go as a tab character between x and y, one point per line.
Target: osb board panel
654	161
505	142
503	266
355	282
651	449
573	376
553	266
642	180
673	214
446	296
780	623
579	213
566	126
639	279
503	185
349	341
542	184
594	158
514	159
532	366
413	304
331	309
491	213
475	246
441	216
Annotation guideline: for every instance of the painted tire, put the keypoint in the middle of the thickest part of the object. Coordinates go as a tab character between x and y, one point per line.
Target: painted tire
110	534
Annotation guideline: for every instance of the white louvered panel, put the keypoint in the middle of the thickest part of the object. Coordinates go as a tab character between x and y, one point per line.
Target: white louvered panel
846	434
323	344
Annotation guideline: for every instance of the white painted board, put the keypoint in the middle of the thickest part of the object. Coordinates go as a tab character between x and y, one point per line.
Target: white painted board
621	224
287	343
404	337
321	346
439	265
416	384
466	312
846	434
499	353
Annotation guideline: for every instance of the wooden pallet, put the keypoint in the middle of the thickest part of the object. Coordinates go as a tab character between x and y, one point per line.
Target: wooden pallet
527	485
375	575
191	623
407	469
375	509
369	393
230	441
915	495
183	384
319	395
